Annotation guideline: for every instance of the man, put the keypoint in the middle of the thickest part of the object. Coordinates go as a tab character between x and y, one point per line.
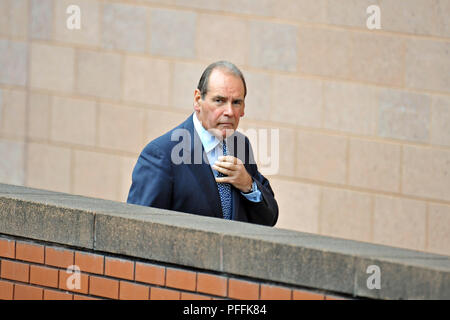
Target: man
211	171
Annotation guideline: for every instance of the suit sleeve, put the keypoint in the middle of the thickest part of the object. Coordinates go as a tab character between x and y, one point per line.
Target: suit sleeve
264	212
151	179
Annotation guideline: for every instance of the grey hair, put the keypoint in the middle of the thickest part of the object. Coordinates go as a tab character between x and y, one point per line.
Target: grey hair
225	65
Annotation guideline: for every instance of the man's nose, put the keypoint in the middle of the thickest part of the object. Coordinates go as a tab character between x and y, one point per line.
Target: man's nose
228	109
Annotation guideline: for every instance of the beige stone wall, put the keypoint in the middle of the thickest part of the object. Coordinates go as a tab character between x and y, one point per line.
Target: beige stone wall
364	115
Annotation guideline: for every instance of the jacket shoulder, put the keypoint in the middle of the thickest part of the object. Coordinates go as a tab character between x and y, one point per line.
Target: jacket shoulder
164	143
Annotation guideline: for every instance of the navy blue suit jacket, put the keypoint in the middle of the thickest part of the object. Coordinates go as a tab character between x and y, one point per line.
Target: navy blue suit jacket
189	187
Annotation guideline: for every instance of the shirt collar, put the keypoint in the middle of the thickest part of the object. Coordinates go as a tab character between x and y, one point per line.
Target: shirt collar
209	141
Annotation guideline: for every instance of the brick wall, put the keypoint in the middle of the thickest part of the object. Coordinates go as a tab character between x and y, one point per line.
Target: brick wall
36	271
363	115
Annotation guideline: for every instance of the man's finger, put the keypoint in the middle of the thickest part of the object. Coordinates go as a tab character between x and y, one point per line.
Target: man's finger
222	170
223	180
226	165
230	159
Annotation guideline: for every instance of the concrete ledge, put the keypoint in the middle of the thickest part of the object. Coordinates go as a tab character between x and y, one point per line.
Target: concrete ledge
285	256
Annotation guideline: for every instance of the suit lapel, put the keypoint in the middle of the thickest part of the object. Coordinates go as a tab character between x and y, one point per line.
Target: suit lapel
202	171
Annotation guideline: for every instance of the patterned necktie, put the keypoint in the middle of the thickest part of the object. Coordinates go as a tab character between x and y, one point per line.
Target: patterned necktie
225	191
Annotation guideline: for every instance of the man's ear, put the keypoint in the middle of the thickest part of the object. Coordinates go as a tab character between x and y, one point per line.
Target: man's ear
197	98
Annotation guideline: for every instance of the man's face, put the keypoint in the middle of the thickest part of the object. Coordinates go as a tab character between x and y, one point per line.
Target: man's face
223	105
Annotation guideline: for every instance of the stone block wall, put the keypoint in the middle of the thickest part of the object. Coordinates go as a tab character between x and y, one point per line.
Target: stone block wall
61	246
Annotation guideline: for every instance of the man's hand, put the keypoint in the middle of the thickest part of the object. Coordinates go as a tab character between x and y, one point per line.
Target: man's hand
235	172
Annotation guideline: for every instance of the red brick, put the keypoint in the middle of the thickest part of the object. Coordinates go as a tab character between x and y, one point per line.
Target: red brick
330	297
7	248
104	287
149	273
6	290
275	293
87	262
27	292
212	284
193	296
239	289
80	297
119	268
64	277
44	276
30	252
133	291
57	295
305	295
164	294
15	270
57	257
181	279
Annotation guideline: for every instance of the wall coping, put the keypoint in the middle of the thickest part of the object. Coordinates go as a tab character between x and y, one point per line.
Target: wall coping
272	254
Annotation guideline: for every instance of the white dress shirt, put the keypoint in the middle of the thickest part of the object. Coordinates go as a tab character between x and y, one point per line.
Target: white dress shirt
213	149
